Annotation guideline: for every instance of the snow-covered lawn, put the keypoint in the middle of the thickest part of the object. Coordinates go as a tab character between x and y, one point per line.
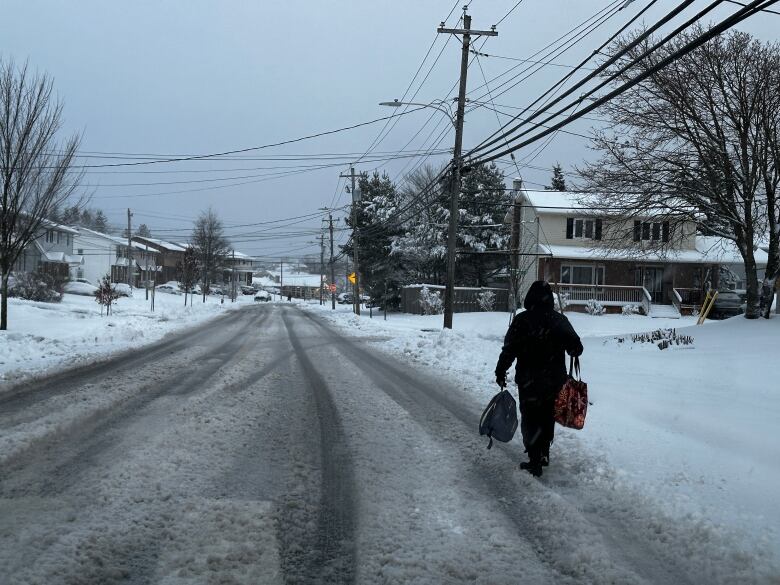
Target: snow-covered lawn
694	428
42	336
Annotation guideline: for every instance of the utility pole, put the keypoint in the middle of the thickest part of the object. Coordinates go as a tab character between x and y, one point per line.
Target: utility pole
322	263
355	201
514	246
129	249
332	265
281	279
233	279
452	232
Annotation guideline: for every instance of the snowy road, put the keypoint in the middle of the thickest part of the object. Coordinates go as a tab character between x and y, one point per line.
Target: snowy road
267	447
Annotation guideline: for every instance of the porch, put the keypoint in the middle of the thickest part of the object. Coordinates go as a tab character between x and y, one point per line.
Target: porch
658	289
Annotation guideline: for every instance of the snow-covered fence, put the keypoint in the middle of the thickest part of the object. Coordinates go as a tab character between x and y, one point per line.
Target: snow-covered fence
466	298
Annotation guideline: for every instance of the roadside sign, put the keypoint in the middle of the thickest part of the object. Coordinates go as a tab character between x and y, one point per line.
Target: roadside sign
353	278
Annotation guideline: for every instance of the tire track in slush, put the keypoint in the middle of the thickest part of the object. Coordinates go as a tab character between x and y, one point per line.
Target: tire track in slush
335	539
67	454
133	553
431	407
21	396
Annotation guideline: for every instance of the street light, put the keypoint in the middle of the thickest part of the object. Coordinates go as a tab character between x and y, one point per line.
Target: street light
455	181
436	105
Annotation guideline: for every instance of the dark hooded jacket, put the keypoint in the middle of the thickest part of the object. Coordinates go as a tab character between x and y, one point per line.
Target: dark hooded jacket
537	339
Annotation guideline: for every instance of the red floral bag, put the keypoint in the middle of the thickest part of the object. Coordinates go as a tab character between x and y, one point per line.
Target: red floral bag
571	404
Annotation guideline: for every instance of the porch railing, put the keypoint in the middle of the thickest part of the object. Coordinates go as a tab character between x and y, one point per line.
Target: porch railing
687	298
608	295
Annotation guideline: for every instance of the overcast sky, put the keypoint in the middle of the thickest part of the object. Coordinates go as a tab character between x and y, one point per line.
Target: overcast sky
195	77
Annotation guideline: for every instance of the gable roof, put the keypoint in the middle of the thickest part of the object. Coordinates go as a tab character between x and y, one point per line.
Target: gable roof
169	246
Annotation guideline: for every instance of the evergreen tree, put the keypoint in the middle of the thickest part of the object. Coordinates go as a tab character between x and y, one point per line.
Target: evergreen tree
144	231
71	215
422	241
484	201
100	222
558	180
87	220
376	216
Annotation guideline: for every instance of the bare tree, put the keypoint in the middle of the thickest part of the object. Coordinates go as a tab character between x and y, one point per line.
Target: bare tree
689	144
36	172
211	247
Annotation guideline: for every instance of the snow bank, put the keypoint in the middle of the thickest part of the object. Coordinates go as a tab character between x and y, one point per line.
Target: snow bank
691	428
42	336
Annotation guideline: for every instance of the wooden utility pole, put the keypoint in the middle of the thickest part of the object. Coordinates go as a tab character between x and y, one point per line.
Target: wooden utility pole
281	279
322	263
452	232
355	200
332	266
129	249
514	246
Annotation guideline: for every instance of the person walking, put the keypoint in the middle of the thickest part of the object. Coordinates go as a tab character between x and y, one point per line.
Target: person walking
538	339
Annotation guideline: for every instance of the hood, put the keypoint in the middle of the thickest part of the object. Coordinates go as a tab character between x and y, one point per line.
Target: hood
539	297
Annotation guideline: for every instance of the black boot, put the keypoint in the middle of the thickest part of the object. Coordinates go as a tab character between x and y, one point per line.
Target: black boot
532	467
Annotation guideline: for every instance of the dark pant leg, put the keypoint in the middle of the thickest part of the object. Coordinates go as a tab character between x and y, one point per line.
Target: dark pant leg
537	426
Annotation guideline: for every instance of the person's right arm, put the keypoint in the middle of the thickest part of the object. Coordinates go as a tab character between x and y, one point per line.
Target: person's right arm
509	351
571	341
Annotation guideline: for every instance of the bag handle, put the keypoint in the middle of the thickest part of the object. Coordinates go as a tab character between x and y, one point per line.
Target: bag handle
574	366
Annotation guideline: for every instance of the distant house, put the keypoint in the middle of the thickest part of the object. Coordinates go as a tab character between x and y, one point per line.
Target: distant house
107	254
242	265
51	252
561	241
166	256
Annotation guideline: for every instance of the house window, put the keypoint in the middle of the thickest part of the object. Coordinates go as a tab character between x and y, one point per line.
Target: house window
49	236
651	231
80	251
59	236
578	228
582	274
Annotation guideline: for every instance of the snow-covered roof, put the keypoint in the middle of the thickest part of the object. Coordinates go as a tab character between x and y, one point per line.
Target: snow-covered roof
709	250
57	226
162	244
558	202
82	231
568	202
59	257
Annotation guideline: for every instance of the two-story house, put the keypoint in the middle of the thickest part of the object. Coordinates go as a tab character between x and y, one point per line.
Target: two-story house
51	252
661	265
168	256
239	266
107	254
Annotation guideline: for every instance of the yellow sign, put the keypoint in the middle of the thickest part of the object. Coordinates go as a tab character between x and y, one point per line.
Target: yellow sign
352	278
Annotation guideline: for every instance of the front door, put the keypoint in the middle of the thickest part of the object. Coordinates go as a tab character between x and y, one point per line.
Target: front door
653	281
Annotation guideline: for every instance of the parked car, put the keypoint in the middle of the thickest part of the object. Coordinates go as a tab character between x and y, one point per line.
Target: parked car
215	290
262	297
727	304
344	298
248	290
122	289
84	280
169	288
78	287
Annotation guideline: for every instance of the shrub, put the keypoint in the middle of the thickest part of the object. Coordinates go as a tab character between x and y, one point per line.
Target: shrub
106	294
561	301
34	286
593	307
631	309
430	301
486	300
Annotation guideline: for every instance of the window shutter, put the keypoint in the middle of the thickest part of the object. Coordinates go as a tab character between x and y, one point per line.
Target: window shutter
598	230
665	231
569	228
637	230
